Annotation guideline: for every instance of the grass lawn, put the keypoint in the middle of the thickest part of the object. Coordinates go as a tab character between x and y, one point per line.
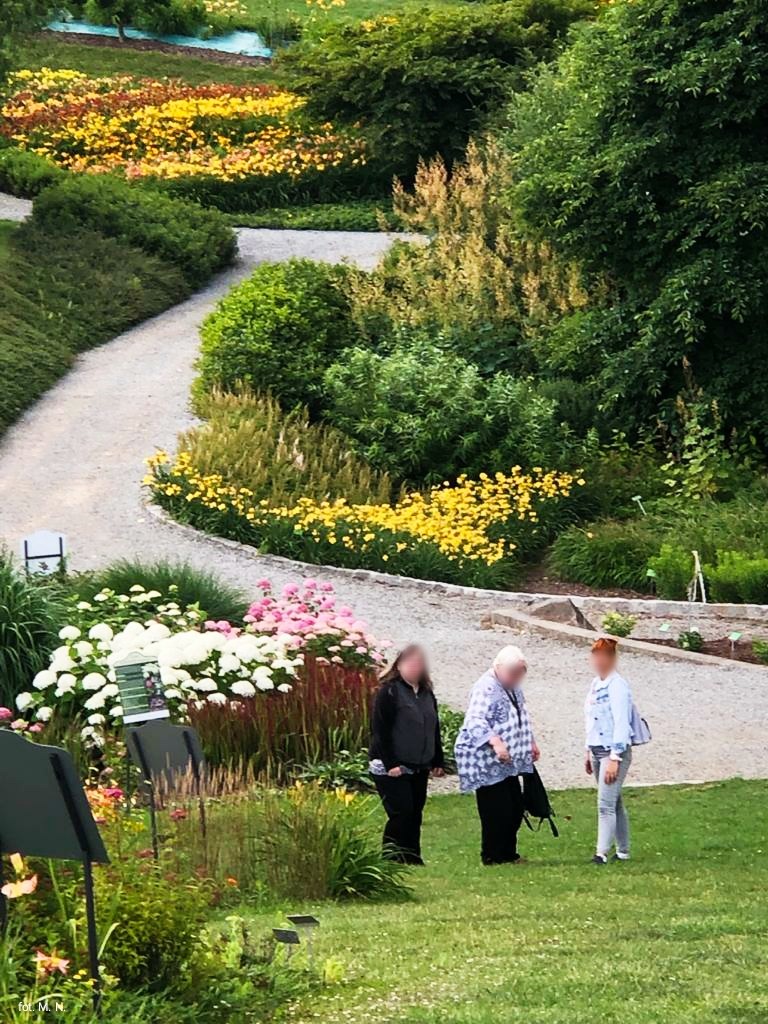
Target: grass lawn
352	10
679	934
47	51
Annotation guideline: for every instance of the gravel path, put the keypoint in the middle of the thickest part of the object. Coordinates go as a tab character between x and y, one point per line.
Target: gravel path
12	208
74	462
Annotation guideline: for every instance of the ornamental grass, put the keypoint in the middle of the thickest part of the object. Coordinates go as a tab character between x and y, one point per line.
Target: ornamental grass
327	710
142	127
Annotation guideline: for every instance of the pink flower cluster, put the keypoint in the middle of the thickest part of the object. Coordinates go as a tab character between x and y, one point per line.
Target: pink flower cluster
308	612
17	724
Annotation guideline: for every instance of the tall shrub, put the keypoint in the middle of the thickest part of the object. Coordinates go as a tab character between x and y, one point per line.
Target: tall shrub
277	332
422	80
643	155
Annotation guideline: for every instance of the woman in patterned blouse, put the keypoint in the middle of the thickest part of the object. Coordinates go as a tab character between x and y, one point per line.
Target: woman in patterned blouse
494	747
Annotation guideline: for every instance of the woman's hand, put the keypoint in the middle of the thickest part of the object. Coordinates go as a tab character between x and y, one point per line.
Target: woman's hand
395	773
438	773
535	751
610	771
500	749
588	764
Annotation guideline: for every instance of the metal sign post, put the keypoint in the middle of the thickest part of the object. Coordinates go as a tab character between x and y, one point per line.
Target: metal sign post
44	552
44	813
163	753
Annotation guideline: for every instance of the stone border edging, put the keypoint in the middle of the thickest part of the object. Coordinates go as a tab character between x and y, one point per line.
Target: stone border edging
639	606
508	618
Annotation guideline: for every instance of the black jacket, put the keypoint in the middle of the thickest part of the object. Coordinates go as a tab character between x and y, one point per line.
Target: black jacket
405	728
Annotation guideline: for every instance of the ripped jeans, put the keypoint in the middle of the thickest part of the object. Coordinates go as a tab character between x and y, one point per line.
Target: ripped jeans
612	820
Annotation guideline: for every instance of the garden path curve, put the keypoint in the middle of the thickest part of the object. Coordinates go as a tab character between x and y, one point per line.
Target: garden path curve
74	463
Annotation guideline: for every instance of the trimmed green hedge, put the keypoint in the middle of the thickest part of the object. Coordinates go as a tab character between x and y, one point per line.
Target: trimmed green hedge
26	174
277	332
199	242
61	293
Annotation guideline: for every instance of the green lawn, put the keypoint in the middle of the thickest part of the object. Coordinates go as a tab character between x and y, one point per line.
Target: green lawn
677	936
352	10
106	60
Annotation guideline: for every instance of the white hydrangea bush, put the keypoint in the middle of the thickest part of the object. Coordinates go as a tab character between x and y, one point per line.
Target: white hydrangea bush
194	664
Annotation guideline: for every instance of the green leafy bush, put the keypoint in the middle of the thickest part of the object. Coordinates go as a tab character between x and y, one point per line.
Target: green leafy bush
422	80
635	155
354	215
26	174
760	650
62	293
618	624
690	640
157	922
346	769
423	414
29	624
605	555
738	578
672	572
199	242
256	192
277	332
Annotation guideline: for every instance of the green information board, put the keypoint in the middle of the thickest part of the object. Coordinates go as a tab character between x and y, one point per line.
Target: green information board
141	689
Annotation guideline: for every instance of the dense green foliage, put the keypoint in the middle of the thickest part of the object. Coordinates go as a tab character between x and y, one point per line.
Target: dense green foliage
184	582
198	242
62	292
277	332
28	630
421	81
642	155
18	19
354	215
425	415
729	536
26	174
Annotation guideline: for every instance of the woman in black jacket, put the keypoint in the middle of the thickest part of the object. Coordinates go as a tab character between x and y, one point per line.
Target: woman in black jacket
405	747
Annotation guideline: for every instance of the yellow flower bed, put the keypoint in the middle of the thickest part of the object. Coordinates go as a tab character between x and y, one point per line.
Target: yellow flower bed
163	128
465	521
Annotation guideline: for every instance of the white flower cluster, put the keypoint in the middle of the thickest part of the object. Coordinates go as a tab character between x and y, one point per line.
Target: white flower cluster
194	666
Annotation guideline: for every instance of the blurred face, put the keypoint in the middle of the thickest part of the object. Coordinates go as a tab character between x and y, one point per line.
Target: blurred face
510	676
603	662
412	666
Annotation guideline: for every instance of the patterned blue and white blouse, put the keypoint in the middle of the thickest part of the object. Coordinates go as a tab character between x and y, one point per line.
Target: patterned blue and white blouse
493	711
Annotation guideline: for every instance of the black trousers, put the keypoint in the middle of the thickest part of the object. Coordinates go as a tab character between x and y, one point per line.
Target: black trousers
403	799
501	814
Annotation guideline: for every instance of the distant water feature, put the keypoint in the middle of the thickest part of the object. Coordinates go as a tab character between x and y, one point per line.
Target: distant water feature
246	44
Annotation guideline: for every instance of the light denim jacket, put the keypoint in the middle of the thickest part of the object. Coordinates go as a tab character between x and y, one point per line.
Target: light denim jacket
608	714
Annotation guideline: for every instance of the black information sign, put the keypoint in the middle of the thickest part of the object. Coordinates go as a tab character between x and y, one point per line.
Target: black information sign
44	812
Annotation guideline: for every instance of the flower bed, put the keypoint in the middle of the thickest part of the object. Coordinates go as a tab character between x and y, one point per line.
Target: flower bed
203	663
465	533
162	129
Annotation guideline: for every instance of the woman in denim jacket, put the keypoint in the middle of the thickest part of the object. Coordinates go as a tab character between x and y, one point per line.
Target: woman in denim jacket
608	715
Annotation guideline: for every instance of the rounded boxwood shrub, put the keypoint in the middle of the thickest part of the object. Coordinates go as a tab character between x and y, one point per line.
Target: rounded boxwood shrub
26	174
199	242
277	332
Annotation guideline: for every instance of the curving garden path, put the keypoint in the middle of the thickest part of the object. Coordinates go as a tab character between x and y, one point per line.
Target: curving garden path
74	463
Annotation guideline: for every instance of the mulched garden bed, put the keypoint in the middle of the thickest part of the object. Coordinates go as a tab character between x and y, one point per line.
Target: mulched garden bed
536	581
741	650
215	56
